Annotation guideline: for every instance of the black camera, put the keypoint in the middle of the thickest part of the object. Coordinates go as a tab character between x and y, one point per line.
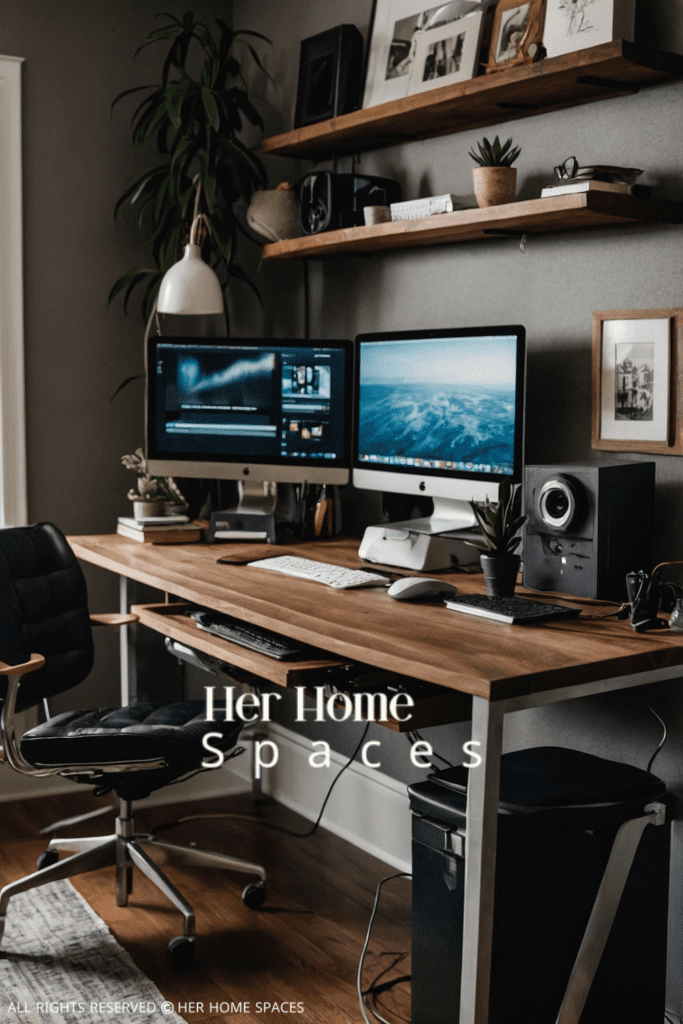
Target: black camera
330	201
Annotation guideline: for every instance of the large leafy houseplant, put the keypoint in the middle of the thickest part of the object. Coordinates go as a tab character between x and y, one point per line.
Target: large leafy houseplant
194	122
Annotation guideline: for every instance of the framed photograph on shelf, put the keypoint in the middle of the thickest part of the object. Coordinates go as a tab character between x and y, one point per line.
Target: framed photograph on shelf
637	398
575	24
447	54
392	41
517	34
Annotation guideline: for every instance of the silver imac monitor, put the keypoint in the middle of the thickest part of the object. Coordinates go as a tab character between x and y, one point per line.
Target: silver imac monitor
249	409
439	413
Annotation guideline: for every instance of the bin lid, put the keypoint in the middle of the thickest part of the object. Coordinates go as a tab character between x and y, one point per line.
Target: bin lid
558	776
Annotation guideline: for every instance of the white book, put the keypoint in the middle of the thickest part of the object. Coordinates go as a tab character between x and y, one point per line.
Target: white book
153	522
590	185
413	209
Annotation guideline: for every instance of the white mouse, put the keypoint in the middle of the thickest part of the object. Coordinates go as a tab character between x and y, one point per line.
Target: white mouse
418	588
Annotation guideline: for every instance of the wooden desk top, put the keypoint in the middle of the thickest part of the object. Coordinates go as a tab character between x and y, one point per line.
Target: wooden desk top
425	641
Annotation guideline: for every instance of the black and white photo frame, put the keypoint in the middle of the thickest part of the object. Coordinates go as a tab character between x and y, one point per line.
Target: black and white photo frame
393	39
517	34
637	398
447	54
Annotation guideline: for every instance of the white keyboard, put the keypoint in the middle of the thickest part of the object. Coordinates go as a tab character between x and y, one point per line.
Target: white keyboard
321	572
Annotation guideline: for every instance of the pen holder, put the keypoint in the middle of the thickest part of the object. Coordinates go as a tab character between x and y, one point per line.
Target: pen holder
314	516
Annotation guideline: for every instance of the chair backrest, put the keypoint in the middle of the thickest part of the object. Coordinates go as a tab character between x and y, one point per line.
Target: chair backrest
43	610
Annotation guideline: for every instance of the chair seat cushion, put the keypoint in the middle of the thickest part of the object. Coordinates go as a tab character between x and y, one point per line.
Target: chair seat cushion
140	732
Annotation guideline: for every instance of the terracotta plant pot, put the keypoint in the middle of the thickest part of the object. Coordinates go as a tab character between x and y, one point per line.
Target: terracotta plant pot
500	574
494	186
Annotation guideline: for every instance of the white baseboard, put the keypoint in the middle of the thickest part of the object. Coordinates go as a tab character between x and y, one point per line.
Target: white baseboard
367	808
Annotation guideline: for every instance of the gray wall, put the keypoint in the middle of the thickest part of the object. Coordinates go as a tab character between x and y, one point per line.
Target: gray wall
552	288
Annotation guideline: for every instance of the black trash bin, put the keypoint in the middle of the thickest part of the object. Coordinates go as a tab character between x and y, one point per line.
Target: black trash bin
558	816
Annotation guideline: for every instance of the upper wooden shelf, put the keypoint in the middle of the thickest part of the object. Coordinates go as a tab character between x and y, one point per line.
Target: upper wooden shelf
532	216
597	73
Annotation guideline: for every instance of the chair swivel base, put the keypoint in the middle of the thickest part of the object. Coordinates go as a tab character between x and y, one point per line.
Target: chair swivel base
126	851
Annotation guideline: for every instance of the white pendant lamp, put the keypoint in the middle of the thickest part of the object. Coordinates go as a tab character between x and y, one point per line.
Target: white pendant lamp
191	287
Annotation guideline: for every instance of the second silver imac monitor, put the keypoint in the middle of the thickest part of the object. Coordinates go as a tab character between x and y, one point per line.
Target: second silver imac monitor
438	413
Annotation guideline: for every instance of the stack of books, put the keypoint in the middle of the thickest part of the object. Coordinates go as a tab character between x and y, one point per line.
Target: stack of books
160	529
571	185
600	178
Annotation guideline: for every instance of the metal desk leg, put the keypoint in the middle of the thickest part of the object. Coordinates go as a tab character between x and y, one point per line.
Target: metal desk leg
128	675
480	861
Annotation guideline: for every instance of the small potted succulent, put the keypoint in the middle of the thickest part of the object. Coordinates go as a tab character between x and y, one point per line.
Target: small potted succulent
155	495
494	177
500	523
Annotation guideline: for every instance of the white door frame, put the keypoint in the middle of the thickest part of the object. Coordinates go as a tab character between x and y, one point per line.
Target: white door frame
13	511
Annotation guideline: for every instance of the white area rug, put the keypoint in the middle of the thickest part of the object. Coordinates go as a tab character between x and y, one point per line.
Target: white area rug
61	965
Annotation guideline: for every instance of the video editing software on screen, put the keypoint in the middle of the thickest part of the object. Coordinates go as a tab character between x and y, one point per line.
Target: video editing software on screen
259	402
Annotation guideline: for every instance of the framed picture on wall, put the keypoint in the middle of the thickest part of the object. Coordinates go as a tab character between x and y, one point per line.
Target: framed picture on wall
575	24
393	30
447	54
637	398
517	34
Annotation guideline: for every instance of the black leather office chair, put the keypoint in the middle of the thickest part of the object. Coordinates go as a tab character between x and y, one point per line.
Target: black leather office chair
46	648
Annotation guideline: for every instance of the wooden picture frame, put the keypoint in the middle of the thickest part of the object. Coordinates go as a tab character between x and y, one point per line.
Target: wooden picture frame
637	393
447	54
517	34
391	43
572	25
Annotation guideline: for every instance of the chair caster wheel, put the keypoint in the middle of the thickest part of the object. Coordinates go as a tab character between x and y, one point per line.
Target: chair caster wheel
253	895
180	951
46	859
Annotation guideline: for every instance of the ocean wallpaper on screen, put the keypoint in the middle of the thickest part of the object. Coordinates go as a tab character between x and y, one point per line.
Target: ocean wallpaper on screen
447	399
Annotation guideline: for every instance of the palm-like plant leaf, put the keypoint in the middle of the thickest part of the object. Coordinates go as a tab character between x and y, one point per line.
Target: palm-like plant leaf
193	123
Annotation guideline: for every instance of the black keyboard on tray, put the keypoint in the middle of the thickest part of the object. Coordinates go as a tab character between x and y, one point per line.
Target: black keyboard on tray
263	641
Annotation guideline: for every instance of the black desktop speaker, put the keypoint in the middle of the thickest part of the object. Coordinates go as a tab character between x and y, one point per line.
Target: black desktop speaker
330	201
587	527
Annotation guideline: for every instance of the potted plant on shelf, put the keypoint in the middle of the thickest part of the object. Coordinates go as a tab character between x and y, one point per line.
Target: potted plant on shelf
494	177
500	523
194	121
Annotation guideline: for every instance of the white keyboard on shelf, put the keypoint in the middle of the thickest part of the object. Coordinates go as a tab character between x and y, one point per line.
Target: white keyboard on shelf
336	576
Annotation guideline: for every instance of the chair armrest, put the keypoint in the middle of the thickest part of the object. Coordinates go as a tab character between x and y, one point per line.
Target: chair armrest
114	619
35	661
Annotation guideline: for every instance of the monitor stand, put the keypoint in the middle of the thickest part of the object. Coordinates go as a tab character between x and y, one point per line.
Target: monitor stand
423	545
252	519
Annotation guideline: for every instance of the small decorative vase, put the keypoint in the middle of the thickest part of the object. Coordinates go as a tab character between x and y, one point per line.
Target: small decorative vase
500	574
142	509
274	213
494	186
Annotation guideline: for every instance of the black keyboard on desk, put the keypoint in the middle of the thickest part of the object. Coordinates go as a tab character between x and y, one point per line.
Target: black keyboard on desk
514	610
263	641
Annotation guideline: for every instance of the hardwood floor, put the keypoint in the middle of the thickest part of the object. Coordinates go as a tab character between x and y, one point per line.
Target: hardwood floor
301	948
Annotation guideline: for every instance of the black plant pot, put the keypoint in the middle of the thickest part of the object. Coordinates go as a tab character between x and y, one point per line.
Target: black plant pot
500	573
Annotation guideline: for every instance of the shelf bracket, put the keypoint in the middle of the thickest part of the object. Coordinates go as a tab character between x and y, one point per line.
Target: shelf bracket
518	106
508	233
608	83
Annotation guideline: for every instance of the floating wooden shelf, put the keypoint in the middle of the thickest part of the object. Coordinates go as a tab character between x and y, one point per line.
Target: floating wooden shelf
597	73
533	216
